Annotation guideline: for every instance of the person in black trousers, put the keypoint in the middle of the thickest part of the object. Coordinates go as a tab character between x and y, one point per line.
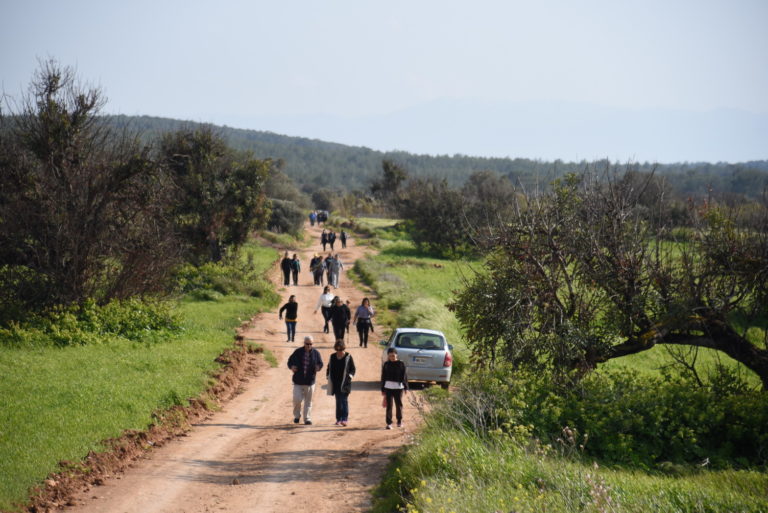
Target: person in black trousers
394	383
285	265
290	308
343	238
295	268
339	318
324	238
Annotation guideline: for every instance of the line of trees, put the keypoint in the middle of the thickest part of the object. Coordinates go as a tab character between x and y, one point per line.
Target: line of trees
90	211
597	266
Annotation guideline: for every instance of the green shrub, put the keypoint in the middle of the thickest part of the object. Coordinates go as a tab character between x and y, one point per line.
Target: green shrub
131	319
286	217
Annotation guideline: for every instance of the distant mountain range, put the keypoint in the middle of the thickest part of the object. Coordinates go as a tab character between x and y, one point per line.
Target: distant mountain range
313	163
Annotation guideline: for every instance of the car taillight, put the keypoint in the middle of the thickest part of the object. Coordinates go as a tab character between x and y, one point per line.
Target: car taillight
448	360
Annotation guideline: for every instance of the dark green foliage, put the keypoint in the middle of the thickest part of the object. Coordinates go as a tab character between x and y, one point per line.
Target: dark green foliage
220	193
286	217
89	323
316	164
580	275
618	417
435	216
213	280
324	199
81	204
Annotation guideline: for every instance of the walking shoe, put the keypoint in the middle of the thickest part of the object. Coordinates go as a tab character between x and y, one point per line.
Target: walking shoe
338	423
343	423
399	424
389	426
308	422
296	420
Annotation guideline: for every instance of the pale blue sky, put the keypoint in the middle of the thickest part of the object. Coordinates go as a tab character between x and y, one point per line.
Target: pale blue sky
628	80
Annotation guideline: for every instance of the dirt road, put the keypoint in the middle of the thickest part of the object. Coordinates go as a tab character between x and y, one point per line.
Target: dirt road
251	457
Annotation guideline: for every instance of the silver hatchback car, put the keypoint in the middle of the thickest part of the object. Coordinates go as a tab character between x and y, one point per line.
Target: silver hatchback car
426	354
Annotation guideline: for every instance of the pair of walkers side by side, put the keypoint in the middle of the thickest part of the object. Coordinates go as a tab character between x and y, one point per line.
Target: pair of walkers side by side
305	362
290	267
317	268
333	268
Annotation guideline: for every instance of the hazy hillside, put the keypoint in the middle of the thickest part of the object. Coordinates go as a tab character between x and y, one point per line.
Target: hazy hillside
313	163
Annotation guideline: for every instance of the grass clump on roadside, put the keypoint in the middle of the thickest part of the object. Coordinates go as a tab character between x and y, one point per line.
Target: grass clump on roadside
498	443
82	376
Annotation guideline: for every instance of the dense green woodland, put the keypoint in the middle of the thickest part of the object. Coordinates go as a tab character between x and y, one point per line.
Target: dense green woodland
313	164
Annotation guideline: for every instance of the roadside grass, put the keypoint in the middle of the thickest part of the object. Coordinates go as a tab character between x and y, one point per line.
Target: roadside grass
57	404
449	470
453	471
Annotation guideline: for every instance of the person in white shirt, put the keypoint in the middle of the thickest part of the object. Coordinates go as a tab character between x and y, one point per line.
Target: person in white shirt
324	303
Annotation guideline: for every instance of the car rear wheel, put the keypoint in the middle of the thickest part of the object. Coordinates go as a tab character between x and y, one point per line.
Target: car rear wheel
444	386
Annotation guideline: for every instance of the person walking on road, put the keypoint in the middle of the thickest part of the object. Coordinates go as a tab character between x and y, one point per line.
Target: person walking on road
343	239
324	238
317	268
305	363
290	308
340	371
334	270
363	321
331	239
339	317
295	268
324	303
285	265
394	383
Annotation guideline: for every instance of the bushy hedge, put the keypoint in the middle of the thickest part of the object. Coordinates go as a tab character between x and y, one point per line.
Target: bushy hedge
620	417
286	217
89	323
211	281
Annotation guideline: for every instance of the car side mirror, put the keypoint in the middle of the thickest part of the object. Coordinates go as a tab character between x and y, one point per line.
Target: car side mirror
383	342
450	346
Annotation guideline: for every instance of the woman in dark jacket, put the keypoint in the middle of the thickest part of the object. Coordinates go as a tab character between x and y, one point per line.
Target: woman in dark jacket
285	265
340	370
339	316
394	383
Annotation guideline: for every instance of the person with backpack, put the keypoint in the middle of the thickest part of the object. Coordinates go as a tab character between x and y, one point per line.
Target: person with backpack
295	268
340	371
285	265
317	268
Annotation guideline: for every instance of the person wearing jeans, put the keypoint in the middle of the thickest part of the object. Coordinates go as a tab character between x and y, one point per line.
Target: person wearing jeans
305	363
291	308
363	320
340	370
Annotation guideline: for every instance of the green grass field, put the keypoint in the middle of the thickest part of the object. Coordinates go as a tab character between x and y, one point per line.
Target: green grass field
59	403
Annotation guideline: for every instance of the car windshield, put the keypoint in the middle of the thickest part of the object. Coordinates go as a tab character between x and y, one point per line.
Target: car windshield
419	341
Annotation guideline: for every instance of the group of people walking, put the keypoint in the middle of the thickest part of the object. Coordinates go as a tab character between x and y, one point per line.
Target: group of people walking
329	267
305	362
329	238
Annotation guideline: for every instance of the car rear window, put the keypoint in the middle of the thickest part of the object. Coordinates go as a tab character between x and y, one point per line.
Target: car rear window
419	341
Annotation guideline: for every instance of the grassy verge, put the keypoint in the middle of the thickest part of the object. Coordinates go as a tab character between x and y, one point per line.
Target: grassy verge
450	469
58	403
